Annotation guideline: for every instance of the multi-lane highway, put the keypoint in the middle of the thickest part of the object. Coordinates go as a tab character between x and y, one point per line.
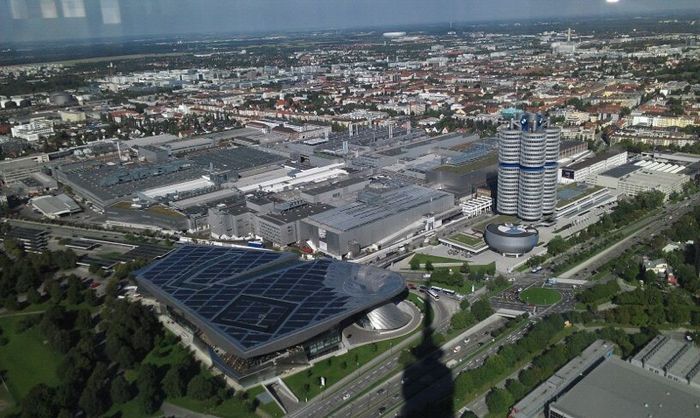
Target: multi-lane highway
407	384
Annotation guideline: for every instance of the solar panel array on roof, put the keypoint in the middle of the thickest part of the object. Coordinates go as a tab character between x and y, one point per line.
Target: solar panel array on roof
253	299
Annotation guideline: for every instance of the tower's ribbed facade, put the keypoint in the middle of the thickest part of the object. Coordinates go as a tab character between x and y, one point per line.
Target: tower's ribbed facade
528	151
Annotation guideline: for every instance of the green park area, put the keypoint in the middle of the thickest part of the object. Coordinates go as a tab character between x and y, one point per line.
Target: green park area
540	296
26	360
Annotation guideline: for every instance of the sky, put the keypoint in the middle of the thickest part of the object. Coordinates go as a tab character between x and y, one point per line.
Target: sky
39	20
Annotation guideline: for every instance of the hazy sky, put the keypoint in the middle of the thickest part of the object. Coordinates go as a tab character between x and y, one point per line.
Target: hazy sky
31	20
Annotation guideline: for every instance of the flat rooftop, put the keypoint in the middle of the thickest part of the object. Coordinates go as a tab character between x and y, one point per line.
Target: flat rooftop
619	389
333	186
252	302
236	159
596	159
621	171
390	202
296	213
535	401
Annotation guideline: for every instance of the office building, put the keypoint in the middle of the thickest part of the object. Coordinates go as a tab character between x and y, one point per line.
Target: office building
34	130
30	239
581	170
528	152
642	176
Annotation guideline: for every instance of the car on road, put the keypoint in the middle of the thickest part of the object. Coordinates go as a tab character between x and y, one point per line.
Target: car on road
456	349
346	396
382	410
466	340
380	391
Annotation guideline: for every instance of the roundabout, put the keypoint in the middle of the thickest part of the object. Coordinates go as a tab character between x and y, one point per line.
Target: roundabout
540	296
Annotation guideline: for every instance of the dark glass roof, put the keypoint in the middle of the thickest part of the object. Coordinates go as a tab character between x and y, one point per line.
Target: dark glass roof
252	301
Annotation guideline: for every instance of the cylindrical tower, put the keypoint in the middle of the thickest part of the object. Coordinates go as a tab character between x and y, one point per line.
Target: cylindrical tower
551	171
508	171
528	151
532	158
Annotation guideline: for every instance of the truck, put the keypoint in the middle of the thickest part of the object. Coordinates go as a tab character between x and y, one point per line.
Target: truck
255	244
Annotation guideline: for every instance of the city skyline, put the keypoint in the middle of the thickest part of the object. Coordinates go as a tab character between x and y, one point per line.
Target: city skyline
29	20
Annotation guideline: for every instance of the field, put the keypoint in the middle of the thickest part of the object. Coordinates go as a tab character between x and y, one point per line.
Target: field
540	296
26	359
424	258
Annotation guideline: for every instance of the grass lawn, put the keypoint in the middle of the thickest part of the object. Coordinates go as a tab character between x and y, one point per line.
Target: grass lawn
335	368
270	408
466	239
540	296
424	258
483	268
26	359
229	408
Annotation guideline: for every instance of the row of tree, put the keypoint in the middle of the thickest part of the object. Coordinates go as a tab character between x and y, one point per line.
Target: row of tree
497	366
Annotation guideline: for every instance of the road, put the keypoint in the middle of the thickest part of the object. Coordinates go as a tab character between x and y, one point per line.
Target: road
419	376
651	227
66	231
367	375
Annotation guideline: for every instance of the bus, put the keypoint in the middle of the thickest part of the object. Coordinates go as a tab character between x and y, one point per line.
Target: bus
434	294
440	289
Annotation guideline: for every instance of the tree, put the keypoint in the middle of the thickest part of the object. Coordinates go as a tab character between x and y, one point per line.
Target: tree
121	390
83	319
112	288
498	400
33	296
200	387
414	263
74	293
557	245
39	403
464	268
406	358
429	265
55	291
174	384
481	309
150	396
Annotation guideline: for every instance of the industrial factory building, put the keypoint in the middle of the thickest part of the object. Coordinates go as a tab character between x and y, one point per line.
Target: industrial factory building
382	212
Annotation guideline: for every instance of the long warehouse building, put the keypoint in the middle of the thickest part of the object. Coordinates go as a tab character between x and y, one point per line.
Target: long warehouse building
380	212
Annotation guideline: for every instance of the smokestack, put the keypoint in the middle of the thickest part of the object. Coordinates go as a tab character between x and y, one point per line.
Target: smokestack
391	131
350	130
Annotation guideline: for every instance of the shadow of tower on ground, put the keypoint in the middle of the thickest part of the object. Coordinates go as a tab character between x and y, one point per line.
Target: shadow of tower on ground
427	386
